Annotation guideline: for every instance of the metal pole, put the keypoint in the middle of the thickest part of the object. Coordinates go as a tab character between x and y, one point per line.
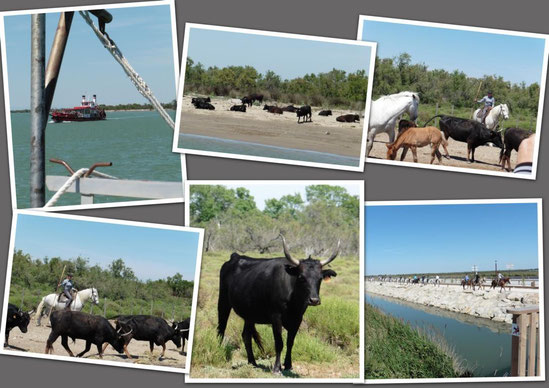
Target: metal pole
38	112
56	56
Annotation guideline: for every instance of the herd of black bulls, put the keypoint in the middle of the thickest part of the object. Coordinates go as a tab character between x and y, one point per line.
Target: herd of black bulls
96	330
304	111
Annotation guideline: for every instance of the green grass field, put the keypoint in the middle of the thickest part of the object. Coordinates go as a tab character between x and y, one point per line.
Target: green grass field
517	118
326	346
394	350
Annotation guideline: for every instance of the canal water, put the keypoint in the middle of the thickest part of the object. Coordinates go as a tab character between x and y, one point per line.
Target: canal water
483	346
139	144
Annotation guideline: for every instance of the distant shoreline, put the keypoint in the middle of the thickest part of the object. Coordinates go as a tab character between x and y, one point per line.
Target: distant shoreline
106	110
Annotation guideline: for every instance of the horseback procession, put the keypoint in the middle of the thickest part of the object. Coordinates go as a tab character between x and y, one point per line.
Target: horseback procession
485	127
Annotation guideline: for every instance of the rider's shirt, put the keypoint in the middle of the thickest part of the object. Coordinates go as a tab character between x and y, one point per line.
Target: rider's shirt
488	101
67	284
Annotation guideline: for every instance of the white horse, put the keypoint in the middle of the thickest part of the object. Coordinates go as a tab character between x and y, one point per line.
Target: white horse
386	110
52	300
498	113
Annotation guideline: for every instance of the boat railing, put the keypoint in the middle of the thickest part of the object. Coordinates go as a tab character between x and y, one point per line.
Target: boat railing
525	342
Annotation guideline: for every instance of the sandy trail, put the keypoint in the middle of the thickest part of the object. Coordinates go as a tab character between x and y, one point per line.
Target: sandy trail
486	157
323	134
34	341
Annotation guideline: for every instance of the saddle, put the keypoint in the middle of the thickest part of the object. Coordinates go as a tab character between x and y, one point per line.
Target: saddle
62	298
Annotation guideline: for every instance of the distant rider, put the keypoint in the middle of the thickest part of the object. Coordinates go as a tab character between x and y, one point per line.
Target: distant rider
68	286
489	102
466	278
437	280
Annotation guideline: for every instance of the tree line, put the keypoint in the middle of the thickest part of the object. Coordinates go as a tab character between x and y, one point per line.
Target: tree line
311	225
393	75
118	283
334	88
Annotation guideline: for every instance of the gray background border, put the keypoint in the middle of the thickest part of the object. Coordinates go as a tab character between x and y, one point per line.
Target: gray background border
334	18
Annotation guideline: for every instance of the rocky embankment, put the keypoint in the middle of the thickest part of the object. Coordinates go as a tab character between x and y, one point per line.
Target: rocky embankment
490	304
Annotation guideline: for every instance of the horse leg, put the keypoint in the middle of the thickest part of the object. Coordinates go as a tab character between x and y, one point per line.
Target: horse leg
86	349
370	141
414	152
65	343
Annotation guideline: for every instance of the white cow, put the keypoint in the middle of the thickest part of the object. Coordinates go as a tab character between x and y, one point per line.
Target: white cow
386	110
498	113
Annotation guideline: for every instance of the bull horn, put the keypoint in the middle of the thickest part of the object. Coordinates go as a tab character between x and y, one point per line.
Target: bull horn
31	312
128	333
287	252
334	255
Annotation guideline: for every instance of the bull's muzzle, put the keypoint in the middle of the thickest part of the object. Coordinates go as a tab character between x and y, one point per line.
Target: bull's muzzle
314	301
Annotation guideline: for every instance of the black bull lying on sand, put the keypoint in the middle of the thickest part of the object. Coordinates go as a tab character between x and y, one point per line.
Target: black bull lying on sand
149	328
270	291
468	131
91	328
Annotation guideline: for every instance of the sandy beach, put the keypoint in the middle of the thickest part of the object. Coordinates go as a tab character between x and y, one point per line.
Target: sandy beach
323	134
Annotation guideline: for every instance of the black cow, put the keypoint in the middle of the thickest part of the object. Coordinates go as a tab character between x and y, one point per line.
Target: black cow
512	139
16	318
147	328
350	118
273	109
273	291
305	112
247	101
197	100
183	327
204	105
256	97
239	108
289	108
325	113
91	328
468	131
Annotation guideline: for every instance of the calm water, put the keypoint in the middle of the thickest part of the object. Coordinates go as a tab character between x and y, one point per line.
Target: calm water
484	346
213	144
137	143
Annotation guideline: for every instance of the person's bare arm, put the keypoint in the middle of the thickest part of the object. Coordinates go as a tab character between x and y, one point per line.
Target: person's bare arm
526	150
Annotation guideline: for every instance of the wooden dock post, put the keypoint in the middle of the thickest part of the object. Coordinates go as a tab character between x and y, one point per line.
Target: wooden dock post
525	349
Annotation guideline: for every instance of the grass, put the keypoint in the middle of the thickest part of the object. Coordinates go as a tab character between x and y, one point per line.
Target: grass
326	346
395	350
517	118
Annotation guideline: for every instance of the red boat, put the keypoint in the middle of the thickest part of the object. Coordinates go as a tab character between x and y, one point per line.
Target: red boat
88	111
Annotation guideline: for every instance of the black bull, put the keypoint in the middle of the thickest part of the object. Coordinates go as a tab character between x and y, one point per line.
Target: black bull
468	131
273	291
16	318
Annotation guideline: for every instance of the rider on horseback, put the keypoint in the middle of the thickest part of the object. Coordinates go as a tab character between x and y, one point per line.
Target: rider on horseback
68	286
489	102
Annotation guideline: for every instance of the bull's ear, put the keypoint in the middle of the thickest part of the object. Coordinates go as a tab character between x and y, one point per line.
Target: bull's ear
328	273
292	270
14	316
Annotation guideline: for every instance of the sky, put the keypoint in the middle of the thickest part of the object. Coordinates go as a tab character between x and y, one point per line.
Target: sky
514	58
152	253
143	34
450	238
287	57
262	192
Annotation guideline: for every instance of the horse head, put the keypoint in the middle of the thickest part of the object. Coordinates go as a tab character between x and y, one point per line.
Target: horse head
504	111
94	296
413	107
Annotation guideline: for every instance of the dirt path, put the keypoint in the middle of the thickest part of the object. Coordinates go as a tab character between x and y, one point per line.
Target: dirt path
323	134
34	341
486	157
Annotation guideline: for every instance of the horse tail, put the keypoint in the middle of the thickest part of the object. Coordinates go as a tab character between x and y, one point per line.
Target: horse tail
257	339
39	311
432	118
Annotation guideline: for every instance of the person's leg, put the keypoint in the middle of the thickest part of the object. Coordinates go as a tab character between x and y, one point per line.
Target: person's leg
69	298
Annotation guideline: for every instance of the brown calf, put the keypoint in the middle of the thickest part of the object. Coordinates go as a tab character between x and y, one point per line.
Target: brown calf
418	137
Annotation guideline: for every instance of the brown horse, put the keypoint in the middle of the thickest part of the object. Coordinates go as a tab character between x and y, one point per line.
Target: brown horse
501	283
469	283
415	137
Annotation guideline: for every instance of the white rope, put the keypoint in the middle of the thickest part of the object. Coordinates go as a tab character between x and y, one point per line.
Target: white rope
77	175
139	83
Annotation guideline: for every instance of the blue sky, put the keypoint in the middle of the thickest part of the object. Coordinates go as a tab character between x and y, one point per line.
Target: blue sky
262	192
143	34
151	253
287	57
514	58
447	238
